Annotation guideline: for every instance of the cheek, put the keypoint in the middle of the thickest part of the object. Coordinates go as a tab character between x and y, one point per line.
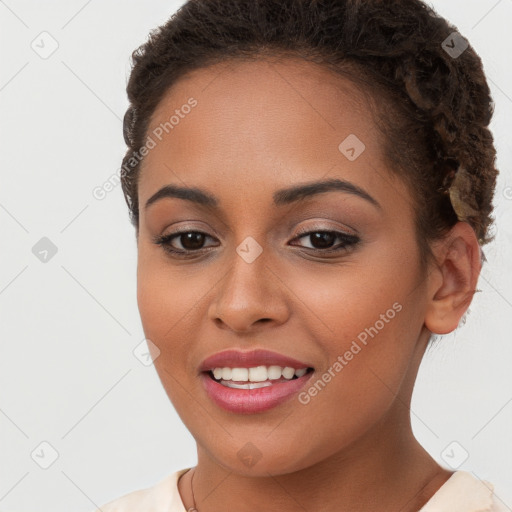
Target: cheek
366	319
164	301
166	294
353	299
172	301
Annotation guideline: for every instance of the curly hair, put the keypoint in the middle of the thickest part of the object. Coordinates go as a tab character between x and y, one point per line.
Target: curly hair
434	107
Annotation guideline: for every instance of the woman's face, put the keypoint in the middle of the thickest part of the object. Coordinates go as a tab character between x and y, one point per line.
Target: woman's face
241	133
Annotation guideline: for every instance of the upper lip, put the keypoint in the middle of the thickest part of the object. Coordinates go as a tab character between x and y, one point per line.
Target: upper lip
259	357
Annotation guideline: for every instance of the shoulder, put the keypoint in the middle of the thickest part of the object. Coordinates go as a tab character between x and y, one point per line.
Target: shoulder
463	492
164	495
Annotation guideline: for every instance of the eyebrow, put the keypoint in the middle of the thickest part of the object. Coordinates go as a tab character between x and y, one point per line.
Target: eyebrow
280	197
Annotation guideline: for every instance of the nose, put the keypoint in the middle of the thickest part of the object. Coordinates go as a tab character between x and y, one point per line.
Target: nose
248	296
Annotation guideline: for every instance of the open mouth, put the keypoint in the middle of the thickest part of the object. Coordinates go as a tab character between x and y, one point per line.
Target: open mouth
256	389
269	381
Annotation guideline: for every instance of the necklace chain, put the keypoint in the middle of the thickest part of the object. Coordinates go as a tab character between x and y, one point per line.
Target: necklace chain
192	509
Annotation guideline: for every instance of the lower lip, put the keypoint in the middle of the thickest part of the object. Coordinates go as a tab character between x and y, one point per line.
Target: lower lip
250	401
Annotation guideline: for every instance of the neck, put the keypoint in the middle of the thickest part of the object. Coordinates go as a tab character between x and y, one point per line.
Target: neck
385	470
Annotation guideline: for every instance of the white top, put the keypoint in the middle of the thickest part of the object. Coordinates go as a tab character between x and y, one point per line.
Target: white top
462	492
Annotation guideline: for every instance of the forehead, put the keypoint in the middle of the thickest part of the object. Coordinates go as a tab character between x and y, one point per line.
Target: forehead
267	121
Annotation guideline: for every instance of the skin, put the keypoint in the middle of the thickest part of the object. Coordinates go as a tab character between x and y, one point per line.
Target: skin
258	127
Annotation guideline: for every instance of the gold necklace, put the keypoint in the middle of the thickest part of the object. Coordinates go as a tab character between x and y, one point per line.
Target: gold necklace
192	509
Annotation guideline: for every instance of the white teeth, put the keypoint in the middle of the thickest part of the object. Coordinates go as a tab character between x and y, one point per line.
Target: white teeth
239	374
274	372
219	372
250	385
257	374
226	373
288	372
301	372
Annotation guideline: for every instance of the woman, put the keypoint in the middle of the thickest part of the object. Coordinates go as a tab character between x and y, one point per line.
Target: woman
311	184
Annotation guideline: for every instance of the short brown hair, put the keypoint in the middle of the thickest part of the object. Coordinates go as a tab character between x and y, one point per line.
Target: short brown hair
434	107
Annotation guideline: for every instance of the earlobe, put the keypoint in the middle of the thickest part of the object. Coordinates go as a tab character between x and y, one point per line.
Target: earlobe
453	283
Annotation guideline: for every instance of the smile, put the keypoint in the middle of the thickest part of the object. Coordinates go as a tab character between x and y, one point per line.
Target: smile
253	390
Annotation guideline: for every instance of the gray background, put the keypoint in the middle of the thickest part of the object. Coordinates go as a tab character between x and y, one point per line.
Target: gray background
69	325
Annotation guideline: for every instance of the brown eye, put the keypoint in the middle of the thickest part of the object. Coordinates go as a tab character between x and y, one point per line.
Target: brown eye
323	241
191	240
186	243
182	242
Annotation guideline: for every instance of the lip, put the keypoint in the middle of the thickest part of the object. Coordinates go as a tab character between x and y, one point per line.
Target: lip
240	359
251	401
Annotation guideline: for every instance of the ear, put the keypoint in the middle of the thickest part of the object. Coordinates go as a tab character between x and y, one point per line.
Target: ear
452	282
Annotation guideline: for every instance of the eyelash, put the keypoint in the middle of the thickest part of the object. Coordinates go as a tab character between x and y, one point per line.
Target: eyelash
347	241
